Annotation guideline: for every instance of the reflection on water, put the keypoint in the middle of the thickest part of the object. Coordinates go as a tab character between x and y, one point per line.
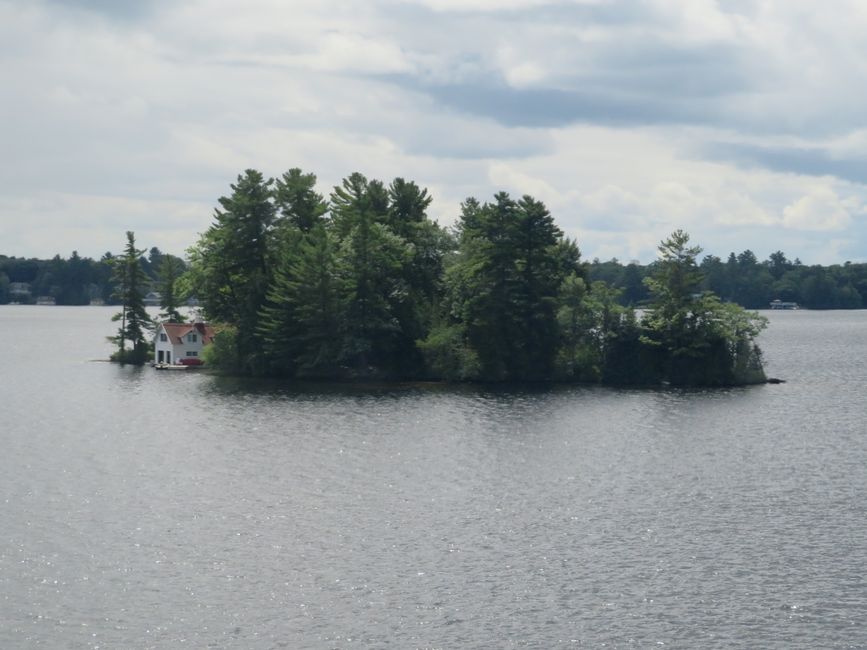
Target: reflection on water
147	509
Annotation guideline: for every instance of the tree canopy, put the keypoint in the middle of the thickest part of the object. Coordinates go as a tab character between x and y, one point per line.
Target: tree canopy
365	285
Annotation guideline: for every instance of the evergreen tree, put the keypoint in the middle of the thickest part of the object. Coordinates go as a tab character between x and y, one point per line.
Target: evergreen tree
131	281
572	361
407	207
699	340
503	287
778	264
349	201
372	259
297	201
301	323
229	267
391	256
539	279
170	271
422	273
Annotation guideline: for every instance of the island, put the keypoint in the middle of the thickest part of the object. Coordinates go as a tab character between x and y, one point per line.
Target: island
365	286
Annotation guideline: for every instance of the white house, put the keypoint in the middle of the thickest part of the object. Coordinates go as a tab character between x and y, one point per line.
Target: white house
181	343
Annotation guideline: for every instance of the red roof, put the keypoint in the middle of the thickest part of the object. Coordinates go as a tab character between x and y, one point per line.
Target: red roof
177	331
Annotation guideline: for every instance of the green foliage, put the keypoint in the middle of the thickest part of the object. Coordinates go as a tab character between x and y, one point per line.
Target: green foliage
503	285
223	352
297	202
170	290
301	323
744	280
594	332
366	285
130	280
448	355
73	281
700	340
318	294
576	359
352	201
373	258
229	267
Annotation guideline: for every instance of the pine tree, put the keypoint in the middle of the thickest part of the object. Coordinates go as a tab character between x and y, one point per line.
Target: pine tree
699	340
230	270
130	280
302	321
170	271
298	204
503	287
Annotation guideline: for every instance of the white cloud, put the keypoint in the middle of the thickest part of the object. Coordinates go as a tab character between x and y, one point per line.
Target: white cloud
819	210
518	183
91	224
699	21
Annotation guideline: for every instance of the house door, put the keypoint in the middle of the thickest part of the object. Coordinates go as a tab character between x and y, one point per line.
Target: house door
160	356
168	356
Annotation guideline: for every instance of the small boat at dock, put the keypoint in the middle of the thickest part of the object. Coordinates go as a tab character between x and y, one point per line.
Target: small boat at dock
169	366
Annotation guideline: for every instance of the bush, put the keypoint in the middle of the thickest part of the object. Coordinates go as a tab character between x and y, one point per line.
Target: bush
222	354
448	355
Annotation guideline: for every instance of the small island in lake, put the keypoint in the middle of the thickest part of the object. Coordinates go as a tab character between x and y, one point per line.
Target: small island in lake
367	286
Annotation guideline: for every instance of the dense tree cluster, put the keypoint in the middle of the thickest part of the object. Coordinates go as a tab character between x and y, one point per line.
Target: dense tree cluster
365	285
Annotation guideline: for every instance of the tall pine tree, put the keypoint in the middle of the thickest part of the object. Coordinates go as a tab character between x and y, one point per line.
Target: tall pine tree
230	265
130	282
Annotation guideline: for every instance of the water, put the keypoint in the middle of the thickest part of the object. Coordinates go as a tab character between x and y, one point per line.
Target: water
146	509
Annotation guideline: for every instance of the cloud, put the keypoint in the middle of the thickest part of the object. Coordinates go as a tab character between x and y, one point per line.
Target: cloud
819	210
808	160
67	222
740	121
127	11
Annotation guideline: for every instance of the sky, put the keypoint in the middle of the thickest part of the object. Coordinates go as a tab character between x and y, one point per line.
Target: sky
742	122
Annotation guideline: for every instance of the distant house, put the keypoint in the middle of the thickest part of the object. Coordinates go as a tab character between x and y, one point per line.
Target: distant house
780	304
152	299
182	343
46	300
19	291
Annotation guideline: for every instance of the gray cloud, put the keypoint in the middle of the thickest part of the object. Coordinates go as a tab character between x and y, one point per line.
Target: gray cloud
554	107
606	63
795	160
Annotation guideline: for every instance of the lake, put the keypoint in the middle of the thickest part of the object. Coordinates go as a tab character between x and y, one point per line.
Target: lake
145	509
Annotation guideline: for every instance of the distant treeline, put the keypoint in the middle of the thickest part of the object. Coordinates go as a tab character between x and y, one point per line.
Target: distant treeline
741	279
744	280
74	280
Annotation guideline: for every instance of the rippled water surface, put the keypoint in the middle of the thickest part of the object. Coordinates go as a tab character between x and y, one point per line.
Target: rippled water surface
148	509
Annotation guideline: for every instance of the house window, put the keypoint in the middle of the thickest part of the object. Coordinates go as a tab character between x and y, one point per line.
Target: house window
163	337
192	353
192	338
